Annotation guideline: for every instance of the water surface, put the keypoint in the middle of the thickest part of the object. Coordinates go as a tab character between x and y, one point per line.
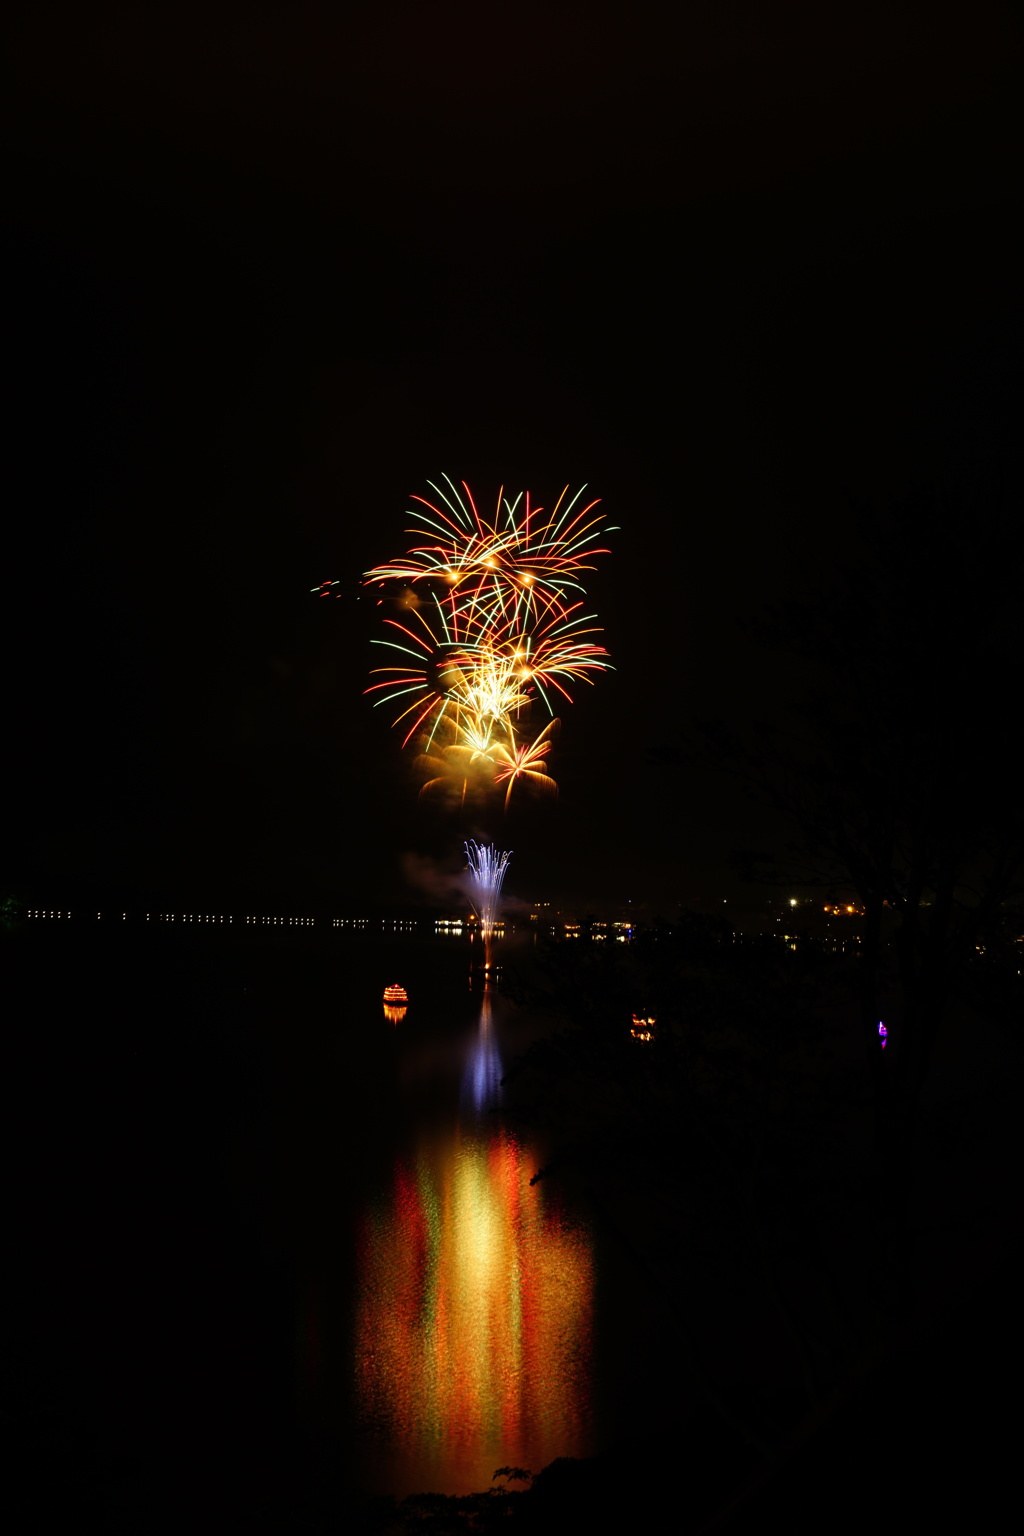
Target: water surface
474	1300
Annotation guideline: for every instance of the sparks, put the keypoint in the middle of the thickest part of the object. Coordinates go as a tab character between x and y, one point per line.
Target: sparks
486	872
492	624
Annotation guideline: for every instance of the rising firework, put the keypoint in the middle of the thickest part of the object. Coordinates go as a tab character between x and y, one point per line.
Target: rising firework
486	872
491	625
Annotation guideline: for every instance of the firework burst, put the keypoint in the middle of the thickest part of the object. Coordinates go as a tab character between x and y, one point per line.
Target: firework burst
504	568
491	625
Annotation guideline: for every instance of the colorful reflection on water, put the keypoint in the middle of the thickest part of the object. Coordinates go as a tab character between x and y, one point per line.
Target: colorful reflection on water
481	1080
473	1321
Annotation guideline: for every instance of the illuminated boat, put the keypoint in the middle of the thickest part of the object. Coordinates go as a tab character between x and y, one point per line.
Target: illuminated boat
643	1026
395	994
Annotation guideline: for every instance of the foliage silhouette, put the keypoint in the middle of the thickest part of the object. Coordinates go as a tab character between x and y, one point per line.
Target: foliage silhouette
757	1156
895	776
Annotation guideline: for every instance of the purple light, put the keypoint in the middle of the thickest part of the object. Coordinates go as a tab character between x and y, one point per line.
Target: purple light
883	1033
481	1081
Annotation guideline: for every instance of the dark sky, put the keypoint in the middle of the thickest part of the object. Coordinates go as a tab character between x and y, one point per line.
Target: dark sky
273	266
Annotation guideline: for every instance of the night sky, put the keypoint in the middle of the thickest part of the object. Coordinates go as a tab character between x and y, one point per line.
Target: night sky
744	272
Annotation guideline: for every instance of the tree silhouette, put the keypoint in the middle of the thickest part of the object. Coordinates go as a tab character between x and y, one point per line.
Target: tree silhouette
730	1149
896	775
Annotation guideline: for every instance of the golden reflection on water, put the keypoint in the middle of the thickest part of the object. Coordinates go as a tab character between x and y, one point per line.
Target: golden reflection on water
474	1312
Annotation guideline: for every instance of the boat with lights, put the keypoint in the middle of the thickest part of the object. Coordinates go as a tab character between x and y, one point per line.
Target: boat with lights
395	994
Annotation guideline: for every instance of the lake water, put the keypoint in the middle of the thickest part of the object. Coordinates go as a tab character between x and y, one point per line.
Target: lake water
448	1304
284	1230
267	1246
472	1327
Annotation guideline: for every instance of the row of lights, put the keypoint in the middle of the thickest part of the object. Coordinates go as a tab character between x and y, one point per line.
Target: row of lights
835	909
35	912
444	926
398	925
190	917
833	945
283	922
217	917
621	932
453	927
